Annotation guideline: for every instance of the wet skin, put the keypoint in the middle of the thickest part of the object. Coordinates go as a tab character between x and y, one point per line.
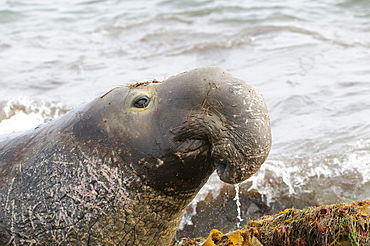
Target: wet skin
121	169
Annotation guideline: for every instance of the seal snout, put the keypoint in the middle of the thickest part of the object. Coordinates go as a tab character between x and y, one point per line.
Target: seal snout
228	116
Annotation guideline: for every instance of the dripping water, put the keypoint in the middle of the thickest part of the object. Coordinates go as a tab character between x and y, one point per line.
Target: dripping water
237	201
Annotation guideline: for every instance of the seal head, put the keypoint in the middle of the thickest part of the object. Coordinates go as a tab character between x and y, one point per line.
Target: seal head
121	169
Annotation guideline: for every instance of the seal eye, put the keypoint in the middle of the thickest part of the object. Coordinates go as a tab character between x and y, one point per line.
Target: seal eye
141	102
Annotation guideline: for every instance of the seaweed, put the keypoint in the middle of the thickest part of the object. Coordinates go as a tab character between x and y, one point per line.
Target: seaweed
337	224
133	86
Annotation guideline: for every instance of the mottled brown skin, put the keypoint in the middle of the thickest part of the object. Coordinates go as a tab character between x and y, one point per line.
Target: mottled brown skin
110	173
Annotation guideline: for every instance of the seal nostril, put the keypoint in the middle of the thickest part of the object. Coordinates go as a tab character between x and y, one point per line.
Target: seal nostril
141	101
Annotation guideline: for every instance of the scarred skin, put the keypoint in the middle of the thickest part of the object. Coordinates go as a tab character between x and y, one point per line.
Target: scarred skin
112	173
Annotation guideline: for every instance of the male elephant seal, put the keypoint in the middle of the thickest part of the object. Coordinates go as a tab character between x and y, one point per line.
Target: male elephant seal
121	169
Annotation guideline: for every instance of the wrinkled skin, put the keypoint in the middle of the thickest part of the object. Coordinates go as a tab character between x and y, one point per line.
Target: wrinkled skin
112	173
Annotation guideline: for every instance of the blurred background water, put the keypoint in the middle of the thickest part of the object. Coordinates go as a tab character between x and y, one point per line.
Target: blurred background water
309	58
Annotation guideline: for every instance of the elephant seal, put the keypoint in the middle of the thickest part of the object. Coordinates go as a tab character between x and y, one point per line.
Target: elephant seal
121	169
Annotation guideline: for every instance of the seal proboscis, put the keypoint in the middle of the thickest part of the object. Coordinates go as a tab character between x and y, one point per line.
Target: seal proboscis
121	169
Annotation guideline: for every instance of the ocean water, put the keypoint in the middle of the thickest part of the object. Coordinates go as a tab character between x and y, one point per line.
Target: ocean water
310	60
